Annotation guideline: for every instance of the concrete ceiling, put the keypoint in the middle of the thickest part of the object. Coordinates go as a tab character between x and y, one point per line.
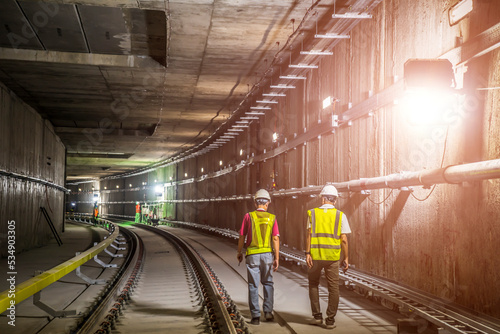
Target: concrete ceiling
127	83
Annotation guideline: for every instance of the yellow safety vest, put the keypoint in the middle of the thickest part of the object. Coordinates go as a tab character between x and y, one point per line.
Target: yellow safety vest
325	233
262	228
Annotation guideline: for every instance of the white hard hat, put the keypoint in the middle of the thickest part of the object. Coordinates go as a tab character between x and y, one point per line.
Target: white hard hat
262	193
329	190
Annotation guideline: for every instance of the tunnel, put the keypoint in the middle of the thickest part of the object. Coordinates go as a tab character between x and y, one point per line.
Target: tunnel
134	130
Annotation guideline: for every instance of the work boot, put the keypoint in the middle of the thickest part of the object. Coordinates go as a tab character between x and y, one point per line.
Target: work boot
269	316
330	323
255	321
317	320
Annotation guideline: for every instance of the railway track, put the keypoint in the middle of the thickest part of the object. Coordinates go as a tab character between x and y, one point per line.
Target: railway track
168	288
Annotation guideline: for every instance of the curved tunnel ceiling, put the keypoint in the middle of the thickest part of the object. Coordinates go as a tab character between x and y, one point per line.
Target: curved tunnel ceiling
129	83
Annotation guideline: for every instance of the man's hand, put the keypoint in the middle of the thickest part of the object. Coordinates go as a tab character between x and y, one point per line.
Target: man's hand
345	265
239	256
309	260
276	264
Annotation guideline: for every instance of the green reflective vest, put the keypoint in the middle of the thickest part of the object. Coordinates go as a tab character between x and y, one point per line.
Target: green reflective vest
262	228
325	233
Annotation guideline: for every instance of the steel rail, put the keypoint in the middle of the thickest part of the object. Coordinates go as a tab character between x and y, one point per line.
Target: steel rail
223	317
28	288
431	309
135	254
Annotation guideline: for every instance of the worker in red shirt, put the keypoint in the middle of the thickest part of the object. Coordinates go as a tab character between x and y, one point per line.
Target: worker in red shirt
260	235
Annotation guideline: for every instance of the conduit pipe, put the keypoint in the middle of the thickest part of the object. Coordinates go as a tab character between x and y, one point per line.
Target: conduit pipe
454	174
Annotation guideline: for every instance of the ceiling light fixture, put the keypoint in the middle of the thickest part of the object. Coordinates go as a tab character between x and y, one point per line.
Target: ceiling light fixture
249	118
292	77
267	101
260	108
301	66
273	94
352	15
240	126
255	113
282	86
238	130
331	35
317	53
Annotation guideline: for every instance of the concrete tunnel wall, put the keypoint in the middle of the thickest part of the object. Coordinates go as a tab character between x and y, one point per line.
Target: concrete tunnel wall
445	244
29	147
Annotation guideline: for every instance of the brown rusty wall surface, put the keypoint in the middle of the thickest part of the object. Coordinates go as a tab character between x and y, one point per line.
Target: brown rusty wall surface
28	146
441	239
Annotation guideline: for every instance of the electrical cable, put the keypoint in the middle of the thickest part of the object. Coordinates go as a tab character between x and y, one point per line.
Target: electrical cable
385	199
442	161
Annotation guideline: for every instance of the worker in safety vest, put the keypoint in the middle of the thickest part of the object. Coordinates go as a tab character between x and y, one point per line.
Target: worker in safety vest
260	235
137	212
95	215
327	230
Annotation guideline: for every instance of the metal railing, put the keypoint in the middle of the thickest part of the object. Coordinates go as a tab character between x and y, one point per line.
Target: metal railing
34	285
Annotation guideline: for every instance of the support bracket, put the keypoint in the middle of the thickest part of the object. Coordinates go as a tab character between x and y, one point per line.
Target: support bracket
48	309
111	254
86	278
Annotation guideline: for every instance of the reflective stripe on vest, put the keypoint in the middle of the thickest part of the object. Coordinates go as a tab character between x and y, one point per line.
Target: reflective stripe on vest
326	225
261	230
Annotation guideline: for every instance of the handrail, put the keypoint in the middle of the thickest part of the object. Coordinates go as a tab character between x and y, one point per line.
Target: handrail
28	288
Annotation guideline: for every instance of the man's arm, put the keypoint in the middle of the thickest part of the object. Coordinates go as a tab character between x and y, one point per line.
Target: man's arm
309	260
276	248
241	243
344	249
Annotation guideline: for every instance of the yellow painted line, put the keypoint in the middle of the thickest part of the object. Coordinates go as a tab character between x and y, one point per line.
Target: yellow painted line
28	288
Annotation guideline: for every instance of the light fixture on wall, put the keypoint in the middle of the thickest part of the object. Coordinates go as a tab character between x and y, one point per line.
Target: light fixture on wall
275	137
158	190
459	11
428	90
220	163
202	169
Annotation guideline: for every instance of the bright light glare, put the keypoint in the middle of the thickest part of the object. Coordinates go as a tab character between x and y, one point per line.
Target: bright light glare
158	189
241	151
327	102
460	10
426	106
275	137
220	163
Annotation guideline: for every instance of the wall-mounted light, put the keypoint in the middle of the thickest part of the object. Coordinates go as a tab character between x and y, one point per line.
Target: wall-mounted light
459	11
170	178
117	186
220	163
105	188
428	90
327	102
73	204
158	190
275	137
130	185
202	169
241	152
185	174
79	189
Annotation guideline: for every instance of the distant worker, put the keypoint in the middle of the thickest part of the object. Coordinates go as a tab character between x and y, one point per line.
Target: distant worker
137	212
327	230
260	229
95	215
